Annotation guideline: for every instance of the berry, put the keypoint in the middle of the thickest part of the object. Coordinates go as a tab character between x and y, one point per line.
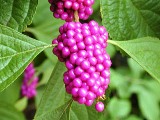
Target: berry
65	9
83	49
30	82
99	106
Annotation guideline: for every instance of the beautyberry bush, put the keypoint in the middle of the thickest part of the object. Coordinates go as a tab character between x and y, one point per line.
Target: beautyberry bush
79	60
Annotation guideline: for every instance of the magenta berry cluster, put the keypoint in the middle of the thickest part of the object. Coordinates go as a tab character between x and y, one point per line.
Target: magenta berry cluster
65	9
83	49
30	82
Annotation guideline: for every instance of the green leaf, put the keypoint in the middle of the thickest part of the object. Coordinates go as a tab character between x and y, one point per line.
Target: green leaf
148	103
82	112
136	69
16	52
17	14
8	112
13	91
78	112
45	69
145	51
54	95
119	108
21	104
130	19
111	50
118	80
60	113
45	28
133	117
153	86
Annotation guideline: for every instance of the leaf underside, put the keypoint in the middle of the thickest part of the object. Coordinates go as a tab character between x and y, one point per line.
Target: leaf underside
145	51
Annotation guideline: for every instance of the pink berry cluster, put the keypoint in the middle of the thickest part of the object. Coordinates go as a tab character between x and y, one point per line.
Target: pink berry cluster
30	82
65	9
83	49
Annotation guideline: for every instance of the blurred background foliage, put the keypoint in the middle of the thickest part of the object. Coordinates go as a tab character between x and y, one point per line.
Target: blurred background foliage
133	94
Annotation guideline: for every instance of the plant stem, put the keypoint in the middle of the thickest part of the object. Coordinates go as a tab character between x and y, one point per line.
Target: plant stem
76	17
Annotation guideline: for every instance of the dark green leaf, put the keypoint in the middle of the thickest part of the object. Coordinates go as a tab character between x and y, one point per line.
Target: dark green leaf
130	19
60	113
16	52
17	14
54	95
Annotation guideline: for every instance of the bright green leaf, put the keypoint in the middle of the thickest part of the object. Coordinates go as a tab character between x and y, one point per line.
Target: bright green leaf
130	19
21	104
8	112
145	51
54	95
17	14
16	52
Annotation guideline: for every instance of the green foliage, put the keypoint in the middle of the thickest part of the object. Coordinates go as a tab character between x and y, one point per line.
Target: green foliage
54	95
145	51
82	112
12	91
17	14
130	19
60	113
146	98
46	28
17	51
146	90
119	108
8	112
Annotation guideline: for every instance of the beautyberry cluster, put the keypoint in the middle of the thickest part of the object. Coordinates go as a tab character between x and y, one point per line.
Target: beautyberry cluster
65	9
83	49
30	82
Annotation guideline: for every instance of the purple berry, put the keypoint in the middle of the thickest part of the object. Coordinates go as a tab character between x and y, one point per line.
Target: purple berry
30	82
83	49
77	82
82	92
65	9
99	106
